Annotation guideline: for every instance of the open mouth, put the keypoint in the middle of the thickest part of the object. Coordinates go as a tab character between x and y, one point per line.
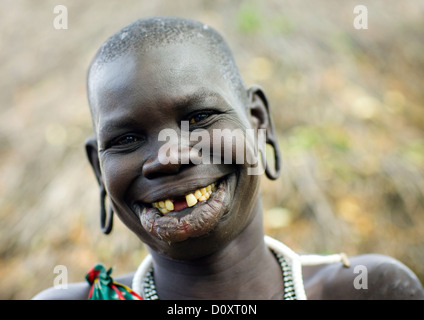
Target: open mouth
192	215
189	200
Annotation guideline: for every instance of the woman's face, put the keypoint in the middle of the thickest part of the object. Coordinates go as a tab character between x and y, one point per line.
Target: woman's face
146	108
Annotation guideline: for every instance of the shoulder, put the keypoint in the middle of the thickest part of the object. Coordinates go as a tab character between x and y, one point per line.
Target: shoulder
73	291
76	291
370	276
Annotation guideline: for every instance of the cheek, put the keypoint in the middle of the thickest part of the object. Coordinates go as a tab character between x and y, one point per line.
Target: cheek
118	172
249	190
238	146
244	205
228	142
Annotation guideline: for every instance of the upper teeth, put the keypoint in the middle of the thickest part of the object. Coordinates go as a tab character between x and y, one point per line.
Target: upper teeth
201	194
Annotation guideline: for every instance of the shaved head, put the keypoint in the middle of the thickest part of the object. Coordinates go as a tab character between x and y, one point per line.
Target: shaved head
146	34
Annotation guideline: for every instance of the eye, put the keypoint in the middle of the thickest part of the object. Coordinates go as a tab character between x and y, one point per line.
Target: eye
126	140
199	117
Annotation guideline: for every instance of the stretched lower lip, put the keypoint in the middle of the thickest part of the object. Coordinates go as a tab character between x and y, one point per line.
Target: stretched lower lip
190	222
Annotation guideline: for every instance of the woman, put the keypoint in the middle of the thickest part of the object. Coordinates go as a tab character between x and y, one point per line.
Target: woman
154	88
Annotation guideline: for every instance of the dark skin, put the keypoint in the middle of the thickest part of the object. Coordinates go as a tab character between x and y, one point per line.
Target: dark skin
136	96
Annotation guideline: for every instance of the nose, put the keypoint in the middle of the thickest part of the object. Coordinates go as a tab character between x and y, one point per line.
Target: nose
169	160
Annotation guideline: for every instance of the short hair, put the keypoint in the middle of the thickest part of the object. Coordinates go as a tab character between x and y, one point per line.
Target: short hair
144	34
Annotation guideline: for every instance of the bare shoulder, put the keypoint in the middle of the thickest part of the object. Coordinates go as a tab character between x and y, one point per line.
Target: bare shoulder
76	291
370	276
73	291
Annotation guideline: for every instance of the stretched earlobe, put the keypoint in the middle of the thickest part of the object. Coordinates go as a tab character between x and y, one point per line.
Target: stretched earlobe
272	175
93	157
262	119
106	218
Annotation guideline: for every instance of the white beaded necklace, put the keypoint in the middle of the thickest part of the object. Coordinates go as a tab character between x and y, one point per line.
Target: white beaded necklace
290	262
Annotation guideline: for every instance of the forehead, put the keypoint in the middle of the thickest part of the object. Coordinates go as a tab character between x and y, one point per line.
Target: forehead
162	75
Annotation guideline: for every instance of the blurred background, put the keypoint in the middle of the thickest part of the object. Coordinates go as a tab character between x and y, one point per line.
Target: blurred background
348	106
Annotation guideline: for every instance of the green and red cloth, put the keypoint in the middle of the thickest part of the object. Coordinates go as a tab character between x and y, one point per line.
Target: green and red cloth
104	288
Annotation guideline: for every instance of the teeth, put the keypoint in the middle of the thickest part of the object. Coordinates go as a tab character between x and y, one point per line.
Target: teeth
199	195
164	211
191	199
169	205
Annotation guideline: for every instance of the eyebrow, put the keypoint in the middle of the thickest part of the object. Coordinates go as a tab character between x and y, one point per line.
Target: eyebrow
198	97
117	124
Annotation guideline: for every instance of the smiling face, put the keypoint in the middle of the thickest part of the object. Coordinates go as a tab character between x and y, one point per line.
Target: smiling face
180	210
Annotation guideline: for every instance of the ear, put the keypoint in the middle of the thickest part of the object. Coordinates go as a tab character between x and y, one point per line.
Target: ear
260	114
93	158
261	118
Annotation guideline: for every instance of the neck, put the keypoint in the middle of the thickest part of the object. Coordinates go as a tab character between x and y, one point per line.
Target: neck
244	269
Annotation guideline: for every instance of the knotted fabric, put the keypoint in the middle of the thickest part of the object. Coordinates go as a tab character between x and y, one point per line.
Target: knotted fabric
104	288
